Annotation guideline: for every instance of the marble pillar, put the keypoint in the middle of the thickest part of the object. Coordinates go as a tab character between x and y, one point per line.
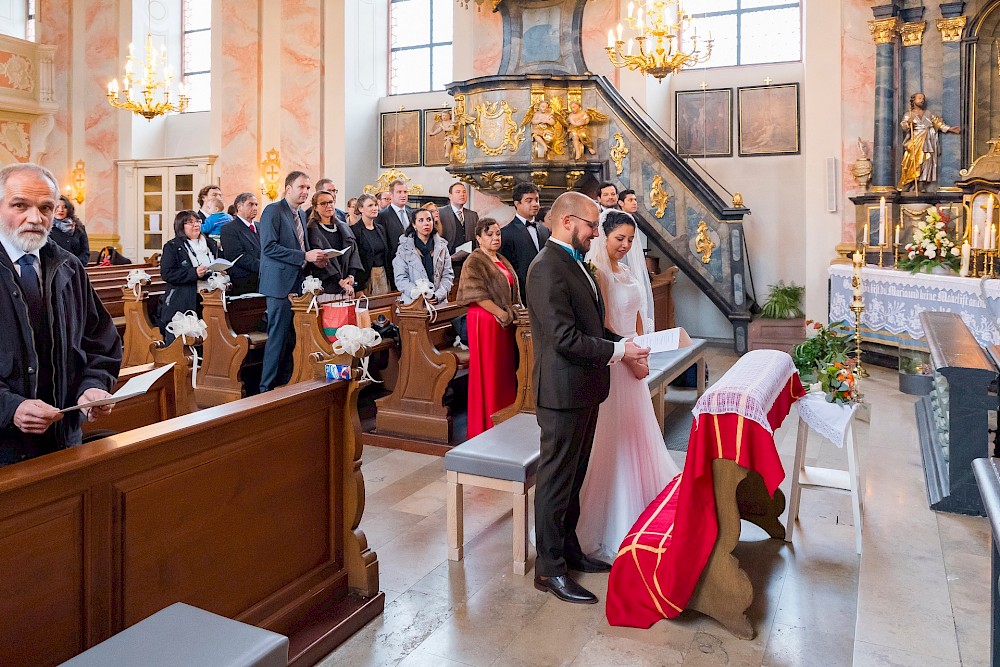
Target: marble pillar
884	32
912	36
951	100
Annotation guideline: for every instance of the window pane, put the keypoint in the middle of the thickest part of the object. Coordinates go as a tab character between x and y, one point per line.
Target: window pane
703	6
751	4
442	67
722	30
771	36
198	51
152	184
443	20
197	14
411	71
411	23
200	90
183	183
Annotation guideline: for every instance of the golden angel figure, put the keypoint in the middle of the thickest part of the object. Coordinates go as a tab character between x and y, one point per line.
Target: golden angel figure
579	119
547	129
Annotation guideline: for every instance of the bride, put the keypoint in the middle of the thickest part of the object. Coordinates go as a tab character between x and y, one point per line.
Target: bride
629	464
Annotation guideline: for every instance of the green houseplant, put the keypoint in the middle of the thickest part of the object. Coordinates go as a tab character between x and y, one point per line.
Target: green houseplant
783	302
781	324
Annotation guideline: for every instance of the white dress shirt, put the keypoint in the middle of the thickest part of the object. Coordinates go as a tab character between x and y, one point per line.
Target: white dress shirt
533	231
16	253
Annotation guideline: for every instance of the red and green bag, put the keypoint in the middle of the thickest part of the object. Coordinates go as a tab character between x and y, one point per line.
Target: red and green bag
336	315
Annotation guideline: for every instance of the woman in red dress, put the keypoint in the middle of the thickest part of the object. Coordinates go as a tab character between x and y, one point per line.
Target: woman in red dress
489	286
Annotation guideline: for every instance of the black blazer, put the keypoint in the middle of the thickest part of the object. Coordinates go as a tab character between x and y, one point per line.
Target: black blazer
393	228
451	228
366	252
239	241
516	245
571	345
181	278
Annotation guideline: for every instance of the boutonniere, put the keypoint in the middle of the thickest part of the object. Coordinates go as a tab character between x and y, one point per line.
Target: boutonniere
592	269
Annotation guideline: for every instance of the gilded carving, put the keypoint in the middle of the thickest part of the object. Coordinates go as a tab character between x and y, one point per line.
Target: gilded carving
618	152
658	197
462	121
578	120
539	177
15	138
951	29
494	180
547	119
387	177
912	34
572	178
494	129
884	31
703	243
737	200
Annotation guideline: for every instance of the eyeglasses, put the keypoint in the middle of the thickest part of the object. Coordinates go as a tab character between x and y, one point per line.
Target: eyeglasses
324	203
592	223
192	223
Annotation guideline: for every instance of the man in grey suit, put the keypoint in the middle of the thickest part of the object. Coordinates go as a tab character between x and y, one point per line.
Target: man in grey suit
284	253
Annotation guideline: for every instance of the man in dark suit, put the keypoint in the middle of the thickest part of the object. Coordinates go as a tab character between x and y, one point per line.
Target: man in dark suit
241	243
608	197
572	352
458	222
284	254
395	218
205	194
522	238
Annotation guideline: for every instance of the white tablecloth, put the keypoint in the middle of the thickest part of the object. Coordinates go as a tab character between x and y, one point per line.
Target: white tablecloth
894	300
830	420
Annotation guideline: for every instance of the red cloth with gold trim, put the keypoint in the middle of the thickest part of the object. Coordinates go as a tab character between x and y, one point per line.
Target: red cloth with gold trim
660	561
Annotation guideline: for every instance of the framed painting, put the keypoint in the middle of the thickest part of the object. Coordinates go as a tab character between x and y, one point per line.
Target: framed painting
400	133
769	120
703	122
438	126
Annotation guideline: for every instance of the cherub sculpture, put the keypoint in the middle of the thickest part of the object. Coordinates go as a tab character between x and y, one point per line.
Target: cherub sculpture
548	128
445	125
579	119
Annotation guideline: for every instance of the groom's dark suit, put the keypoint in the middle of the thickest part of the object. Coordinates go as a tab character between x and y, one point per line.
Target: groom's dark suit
572	349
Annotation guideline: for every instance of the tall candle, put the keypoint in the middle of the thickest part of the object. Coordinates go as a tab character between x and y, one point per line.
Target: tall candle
899	229
868	234
966	256
881	222
993	236
975	236
989	210
859	260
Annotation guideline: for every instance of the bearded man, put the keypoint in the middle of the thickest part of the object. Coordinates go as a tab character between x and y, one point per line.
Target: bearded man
920	150
58	346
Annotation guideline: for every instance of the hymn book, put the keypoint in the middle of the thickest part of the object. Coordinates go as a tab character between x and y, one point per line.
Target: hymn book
667	340
137	386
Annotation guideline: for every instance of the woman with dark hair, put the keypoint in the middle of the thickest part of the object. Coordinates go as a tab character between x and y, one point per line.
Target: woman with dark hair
489	286
373	247
629	464
423	254
353	214
340	274
184	266
542	214
68	232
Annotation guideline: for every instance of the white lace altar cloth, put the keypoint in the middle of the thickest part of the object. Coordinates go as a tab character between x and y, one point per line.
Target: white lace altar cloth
749	388
894	300
830	420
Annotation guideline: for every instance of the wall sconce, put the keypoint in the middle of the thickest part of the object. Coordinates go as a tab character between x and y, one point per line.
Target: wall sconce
78	190
271	168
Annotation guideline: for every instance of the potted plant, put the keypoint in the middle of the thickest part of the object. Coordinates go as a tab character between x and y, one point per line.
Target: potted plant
823	359
781	325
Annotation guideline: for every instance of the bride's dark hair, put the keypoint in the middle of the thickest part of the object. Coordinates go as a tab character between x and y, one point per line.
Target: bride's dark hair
614	219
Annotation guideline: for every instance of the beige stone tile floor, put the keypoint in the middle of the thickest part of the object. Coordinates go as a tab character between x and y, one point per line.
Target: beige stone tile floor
919	596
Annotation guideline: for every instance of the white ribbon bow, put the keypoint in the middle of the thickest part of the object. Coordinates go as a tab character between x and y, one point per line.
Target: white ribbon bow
218	281
188	324
352	339
135	279
312	285
425	288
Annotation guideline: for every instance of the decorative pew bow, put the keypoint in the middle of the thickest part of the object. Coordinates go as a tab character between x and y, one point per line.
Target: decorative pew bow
352	340
312	285
425	288
136	278
188	324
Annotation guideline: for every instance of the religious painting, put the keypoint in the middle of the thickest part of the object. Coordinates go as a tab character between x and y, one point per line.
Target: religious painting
439	130
400	145
703	122
769	120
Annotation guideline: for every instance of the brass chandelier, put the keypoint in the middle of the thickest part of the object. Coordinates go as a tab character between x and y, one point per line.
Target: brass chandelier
148	96
661	26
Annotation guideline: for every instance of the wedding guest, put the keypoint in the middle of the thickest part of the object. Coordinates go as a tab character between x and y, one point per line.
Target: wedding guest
432	207
372	247
206	194
216	217
69	232
340	274
183	265
352	211
543	215
489	287
423	253
384	198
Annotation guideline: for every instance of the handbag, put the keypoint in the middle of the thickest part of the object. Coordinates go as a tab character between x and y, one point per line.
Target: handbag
364	317
332	316
386	329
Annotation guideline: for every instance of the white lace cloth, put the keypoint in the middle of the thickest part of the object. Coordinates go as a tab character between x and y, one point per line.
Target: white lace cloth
749	388
830	420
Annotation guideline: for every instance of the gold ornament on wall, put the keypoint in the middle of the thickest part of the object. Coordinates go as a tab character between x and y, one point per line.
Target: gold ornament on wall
884	31
703	242
658	197
494	180
618	152
547	120
912	33
539	177
270	169
387	177
737	200
572	178
665	36
77	190
951	29
494	130
578	120
462	121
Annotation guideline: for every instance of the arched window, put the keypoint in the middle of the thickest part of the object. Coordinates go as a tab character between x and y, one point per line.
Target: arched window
420	36
196	44
749	32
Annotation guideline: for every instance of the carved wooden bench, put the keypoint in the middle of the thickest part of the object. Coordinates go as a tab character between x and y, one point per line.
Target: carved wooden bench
156	405
140	333
232	337
428	362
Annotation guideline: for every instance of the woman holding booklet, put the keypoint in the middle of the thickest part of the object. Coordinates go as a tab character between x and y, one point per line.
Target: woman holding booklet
629	463
340	274
184	266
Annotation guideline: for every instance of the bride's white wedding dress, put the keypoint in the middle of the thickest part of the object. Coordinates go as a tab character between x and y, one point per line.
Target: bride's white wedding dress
629	464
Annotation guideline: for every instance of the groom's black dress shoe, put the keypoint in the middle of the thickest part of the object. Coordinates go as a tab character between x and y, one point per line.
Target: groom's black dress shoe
565	589
587	564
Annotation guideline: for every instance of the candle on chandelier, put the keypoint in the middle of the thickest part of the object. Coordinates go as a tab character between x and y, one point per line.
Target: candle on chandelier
630	46
619	32
631	8
113	87
611	39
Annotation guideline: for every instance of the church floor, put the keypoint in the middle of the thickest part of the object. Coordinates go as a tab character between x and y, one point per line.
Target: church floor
918	597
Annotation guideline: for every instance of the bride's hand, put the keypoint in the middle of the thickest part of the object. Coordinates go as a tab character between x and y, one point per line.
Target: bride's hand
639	368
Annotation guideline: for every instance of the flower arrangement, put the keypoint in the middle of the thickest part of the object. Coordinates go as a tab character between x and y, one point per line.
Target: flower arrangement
931	246
822	360
838	383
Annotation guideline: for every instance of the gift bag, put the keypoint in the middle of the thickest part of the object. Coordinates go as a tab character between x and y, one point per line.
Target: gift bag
364	318
335	315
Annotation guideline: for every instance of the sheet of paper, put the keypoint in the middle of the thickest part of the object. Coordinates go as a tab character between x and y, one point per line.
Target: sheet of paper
222	264
335	253
465	247
137	386
664	341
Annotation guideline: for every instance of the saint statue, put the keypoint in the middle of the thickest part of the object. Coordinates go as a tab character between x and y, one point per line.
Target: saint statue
547	129
920	150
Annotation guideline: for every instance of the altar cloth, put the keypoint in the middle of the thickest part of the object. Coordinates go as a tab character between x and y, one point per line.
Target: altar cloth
661	560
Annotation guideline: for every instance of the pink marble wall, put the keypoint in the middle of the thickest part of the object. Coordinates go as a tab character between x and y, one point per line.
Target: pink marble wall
100	125
598	17
301	86
857	100
239	158
53	28
488	35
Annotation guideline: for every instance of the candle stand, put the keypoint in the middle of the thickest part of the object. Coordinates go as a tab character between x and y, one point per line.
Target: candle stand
858	307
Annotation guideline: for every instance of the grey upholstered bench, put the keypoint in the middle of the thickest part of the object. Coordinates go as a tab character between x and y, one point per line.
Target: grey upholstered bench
665	367
185	636
504	458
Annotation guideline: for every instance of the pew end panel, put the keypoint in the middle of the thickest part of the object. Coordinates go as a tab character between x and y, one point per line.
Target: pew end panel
140	332
156	405
524	400
227	347
182	355
206	509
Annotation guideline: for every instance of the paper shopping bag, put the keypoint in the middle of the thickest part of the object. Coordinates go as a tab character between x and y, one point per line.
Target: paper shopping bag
363	316
336	315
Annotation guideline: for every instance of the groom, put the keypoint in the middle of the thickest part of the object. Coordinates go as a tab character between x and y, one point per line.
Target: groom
572	353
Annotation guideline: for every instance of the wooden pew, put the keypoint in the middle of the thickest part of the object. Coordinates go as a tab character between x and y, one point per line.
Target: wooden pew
662	285
111	295
524	400
157	405
226	351
140	334
182	356
428	362
249	510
